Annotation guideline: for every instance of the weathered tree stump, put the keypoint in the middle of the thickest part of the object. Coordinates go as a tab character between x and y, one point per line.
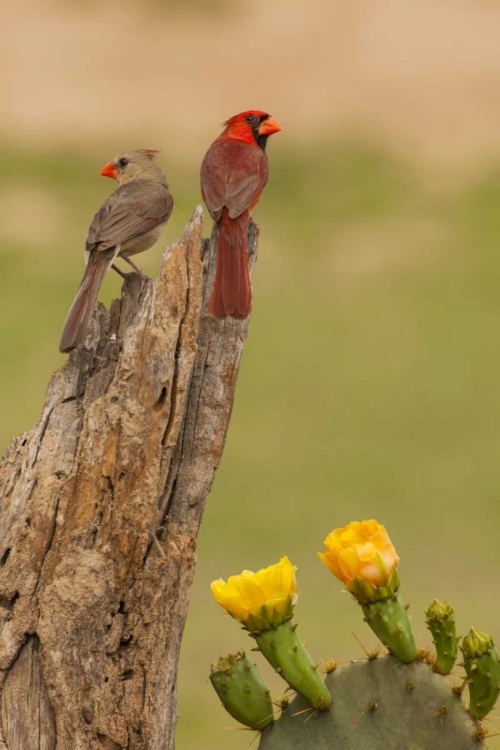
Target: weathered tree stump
100	507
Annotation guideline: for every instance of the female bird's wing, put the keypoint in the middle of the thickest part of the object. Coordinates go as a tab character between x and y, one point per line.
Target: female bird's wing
134	209
233	175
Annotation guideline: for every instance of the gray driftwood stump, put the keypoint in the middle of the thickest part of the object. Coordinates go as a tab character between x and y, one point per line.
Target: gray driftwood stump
100	507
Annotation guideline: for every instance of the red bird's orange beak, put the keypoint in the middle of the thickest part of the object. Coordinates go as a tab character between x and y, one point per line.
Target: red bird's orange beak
269	126
109	170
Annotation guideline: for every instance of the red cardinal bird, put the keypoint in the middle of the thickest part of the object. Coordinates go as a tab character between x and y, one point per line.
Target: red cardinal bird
234	173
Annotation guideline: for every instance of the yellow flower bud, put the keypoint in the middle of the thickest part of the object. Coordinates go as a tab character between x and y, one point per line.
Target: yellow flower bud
261	600
363	557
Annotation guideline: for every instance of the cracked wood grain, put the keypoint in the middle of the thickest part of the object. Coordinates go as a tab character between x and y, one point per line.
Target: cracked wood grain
100	508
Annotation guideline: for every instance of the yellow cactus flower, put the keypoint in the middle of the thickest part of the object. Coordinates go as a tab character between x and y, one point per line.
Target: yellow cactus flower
362	556
261	600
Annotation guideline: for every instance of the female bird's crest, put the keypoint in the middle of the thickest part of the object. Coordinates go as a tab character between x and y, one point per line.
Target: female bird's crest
151	152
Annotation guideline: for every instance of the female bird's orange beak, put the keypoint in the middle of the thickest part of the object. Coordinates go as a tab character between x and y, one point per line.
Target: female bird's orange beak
269	126
109	170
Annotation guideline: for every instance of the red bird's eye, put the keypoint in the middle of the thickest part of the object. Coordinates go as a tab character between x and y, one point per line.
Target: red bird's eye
250	119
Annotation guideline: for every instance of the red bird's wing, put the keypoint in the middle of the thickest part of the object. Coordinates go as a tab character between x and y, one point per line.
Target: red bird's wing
127	214
233	175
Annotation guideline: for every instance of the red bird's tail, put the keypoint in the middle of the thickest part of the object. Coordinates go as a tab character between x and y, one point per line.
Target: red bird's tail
232	292
77	320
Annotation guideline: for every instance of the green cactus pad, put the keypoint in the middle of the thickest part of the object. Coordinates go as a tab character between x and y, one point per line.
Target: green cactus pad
242	691
389	620
379	705
482	665
287	655
441	623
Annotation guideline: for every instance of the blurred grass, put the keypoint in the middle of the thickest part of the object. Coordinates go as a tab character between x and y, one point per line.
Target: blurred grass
369	385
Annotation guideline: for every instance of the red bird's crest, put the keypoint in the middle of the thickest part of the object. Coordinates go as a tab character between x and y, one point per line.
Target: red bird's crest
256	113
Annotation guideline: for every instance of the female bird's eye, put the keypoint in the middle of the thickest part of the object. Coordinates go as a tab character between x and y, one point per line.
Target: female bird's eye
122	162
250	119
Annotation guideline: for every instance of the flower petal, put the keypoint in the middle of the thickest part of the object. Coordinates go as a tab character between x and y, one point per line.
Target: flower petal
362	550
259	600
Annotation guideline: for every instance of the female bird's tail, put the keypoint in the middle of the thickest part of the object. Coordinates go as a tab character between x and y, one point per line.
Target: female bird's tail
77	320
232	292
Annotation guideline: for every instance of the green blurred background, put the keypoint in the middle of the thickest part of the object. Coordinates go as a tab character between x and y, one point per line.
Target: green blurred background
370	380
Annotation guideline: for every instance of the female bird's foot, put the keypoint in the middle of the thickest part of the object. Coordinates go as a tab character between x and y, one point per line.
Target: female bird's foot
136	268
119	271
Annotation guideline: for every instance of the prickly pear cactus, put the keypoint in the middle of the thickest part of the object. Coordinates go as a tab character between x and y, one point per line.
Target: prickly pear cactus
403	701
378	705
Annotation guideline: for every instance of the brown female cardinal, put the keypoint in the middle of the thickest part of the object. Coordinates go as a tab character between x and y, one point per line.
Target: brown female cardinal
233	175
129	222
